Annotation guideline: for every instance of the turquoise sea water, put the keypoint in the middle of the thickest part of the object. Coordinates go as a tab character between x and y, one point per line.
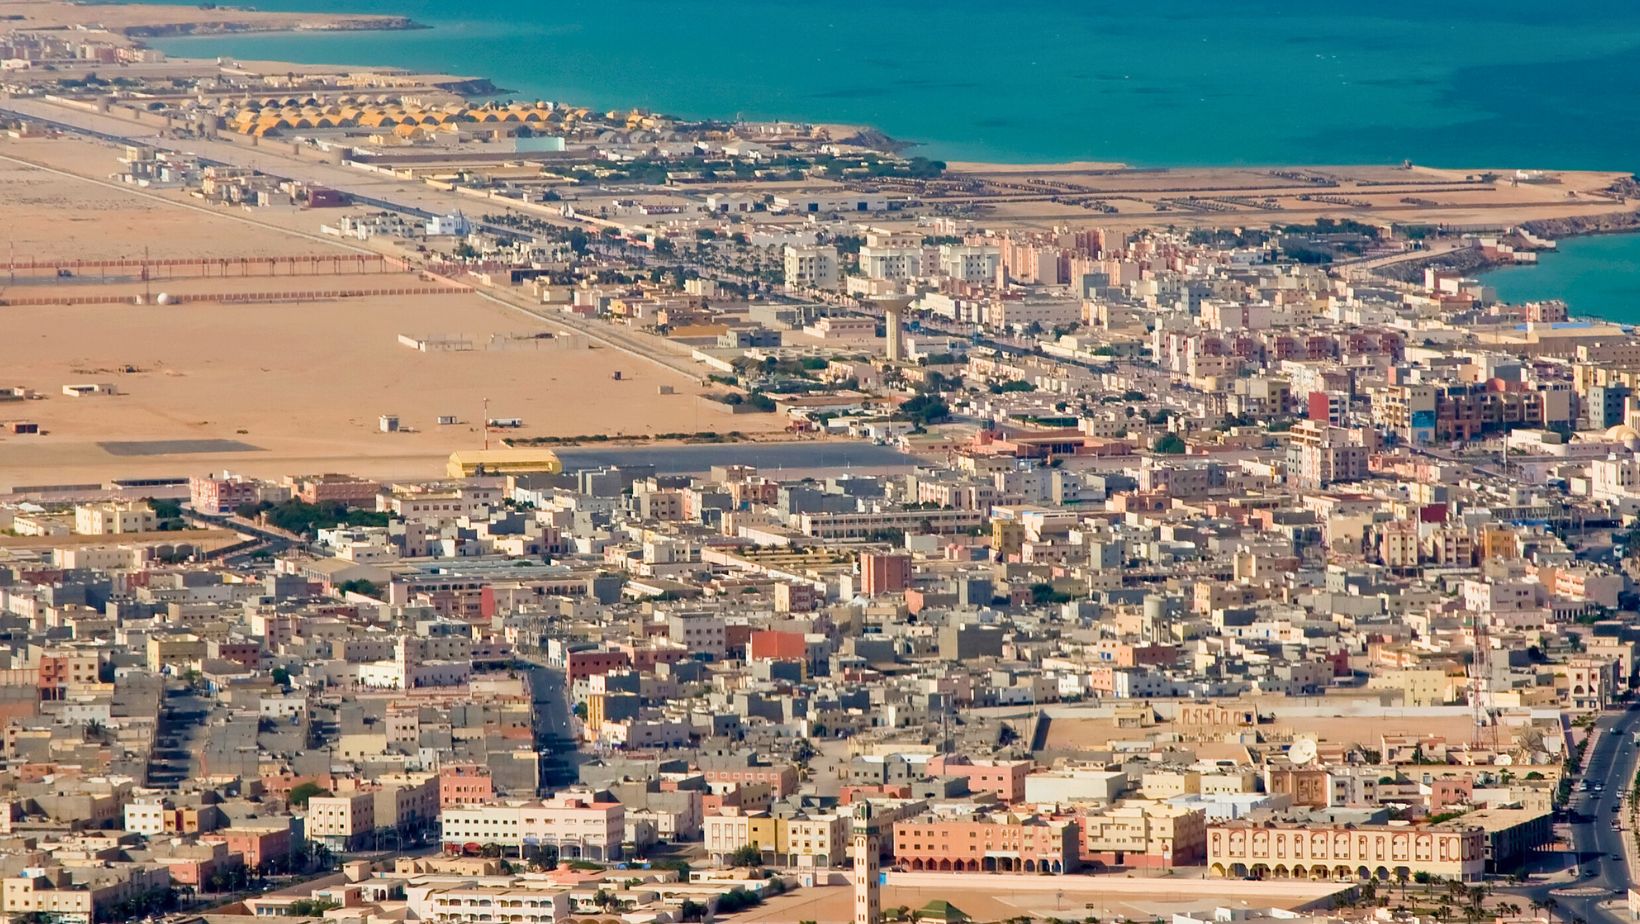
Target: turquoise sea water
1470	83
1597	276
1493	83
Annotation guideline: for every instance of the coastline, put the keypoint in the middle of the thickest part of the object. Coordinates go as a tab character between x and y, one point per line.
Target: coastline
135	22
1587	275
160	22
192	29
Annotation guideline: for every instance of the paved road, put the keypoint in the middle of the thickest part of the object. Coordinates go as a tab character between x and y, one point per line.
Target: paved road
1612	763
554	724
370	189
272	158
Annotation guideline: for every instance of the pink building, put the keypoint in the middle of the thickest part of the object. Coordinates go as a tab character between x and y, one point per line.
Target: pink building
584	664
781	779
464	784
212	494
337	489
1006	778
884	573
999	843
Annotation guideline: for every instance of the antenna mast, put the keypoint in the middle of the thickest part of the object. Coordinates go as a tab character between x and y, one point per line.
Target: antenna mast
1485	733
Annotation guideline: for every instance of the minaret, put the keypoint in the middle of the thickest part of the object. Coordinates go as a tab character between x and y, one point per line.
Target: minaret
868	899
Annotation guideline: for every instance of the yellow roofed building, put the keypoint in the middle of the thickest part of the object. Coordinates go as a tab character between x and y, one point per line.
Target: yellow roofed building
470	462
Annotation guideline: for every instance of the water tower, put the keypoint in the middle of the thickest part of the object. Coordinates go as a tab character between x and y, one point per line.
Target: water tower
893	307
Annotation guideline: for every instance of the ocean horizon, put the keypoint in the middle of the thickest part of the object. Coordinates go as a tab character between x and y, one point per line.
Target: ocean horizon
1179	82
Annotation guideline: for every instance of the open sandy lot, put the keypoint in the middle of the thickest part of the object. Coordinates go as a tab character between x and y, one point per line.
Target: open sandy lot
1093	194
306	383
991	897
51	216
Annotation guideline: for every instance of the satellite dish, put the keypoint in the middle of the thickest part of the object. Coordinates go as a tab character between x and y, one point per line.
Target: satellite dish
1302	752
1504	760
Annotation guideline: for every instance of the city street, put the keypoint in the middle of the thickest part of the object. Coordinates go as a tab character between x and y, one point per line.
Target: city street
1598	848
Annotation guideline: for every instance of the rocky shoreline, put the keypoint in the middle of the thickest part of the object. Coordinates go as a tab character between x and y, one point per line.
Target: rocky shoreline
1465	261
1608	223
473	87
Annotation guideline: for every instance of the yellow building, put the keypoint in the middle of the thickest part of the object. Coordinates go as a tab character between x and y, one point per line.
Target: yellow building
801	840
179	652
469	462
1309	850
1420	686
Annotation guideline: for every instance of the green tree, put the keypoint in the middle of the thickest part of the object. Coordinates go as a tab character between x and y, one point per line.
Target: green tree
302	792
1169	444
748	855
359	586
923	410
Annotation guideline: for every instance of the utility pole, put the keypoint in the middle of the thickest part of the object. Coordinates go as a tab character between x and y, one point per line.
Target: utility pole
485	422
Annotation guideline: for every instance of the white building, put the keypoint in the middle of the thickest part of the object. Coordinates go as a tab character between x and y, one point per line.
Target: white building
578	827
892	255
970	263
475	903
114	517
813	266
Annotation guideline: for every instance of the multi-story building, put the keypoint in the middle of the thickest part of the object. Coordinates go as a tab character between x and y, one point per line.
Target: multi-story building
1143	835
892	255
988	843
342	822
464	784
884	573
970	262
1318	850
1319	455
79	896
781	779
1005	778
266	844
470	902
114	518
332	488
812	267
801	840
574	825
699	634
866	525
154	817
225	493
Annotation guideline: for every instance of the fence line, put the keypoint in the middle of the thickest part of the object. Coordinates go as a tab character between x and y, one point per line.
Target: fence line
234	297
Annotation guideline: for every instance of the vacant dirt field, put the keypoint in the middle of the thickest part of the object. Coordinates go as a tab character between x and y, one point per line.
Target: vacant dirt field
306	384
